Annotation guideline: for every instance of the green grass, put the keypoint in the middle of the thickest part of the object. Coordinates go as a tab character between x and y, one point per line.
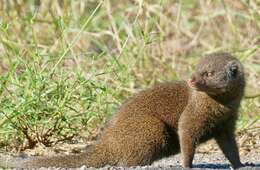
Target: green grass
67	65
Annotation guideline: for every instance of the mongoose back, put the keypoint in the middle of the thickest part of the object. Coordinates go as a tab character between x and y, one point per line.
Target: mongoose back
166	119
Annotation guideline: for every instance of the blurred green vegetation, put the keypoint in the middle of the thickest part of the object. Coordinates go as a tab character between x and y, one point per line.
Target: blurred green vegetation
67	65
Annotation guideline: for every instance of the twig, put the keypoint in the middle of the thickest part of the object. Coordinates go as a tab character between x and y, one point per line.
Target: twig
252	96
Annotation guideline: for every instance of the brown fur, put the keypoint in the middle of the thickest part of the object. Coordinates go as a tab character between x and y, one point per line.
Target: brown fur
166	119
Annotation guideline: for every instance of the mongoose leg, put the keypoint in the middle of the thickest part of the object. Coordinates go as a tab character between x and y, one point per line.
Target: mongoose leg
228	145
186	133
187	150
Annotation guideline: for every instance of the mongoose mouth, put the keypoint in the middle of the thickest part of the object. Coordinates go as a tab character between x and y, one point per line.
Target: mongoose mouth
202	87
196	85
193	84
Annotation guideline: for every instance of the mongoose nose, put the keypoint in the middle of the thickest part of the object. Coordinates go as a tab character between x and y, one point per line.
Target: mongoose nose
192	81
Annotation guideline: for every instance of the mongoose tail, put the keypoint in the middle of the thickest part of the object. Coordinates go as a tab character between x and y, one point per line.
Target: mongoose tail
64	161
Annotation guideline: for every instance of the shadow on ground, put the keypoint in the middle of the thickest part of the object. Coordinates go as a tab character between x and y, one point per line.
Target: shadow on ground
223	166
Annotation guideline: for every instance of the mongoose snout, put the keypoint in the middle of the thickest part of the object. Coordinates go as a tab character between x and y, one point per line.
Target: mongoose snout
196	82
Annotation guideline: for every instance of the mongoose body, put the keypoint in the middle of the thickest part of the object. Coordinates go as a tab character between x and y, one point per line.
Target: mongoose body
167	119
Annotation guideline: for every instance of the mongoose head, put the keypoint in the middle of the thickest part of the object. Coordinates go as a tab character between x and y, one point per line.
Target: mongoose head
219	74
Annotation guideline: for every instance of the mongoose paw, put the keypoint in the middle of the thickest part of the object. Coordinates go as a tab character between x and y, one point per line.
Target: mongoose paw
243	165
248	164
186	166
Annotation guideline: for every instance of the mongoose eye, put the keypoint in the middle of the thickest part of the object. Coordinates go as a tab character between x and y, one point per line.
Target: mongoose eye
208	74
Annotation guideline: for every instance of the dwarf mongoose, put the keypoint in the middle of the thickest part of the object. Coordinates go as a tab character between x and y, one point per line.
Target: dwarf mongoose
167	119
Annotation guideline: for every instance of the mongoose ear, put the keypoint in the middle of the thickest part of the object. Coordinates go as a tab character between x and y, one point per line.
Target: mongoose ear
233	68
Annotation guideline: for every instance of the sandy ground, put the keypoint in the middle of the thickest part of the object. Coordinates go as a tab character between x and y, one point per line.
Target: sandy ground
208	155
201	161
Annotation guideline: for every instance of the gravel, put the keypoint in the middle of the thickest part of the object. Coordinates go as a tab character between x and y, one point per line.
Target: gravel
201	161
